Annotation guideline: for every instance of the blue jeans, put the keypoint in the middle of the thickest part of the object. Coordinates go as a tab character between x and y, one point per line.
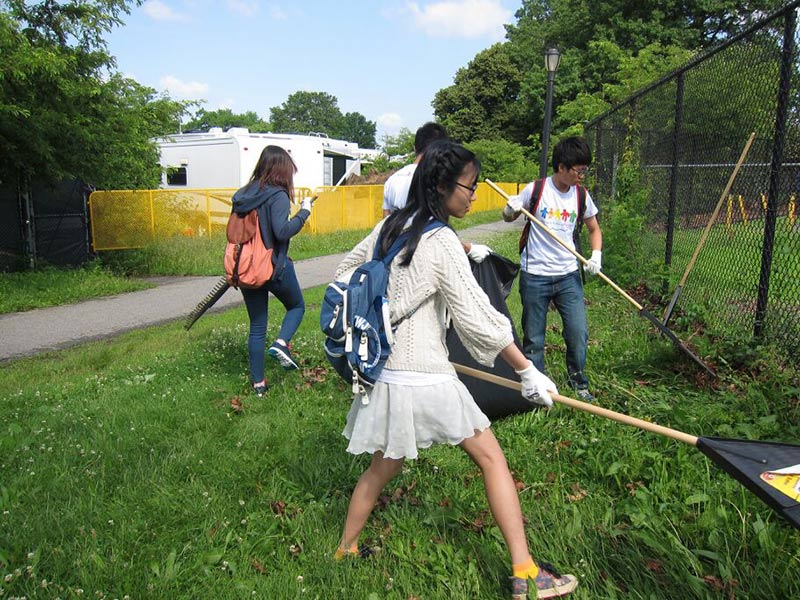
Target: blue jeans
566	292
287	290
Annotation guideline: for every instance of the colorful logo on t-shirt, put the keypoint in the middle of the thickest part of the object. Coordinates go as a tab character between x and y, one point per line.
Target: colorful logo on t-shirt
553	214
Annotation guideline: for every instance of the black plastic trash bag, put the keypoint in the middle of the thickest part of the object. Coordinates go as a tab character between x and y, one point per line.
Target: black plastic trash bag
495	275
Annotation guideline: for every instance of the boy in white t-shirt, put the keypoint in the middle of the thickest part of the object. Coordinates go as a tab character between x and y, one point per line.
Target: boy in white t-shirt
396	188
549	272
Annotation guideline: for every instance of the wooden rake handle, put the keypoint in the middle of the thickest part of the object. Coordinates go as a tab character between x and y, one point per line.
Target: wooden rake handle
584	406
552	234
717	209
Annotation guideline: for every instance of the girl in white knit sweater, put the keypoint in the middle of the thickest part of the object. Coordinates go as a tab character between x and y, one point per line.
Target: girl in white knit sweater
418	400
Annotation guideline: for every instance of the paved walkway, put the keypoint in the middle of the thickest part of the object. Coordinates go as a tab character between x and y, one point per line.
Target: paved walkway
28	333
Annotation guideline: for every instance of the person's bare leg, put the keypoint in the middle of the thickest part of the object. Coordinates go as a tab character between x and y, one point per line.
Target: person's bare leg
380	472
485	451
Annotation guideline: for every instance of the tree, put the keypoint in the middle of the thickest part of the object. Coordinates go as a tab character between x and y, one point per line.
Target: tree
307	112
225	118
401	144
356	128
121	154
481	103
609	48
502	160
65	112
318	112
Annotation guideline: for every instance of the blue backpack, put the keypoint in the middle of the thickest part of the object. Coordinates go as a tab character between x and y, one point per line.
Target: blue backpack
355	319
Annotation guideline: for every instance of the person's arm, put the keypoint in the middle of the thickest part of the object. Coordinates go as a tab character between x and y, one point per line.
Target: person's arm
595	234
515	204
595	264
477	252
535	386
284	228
483	330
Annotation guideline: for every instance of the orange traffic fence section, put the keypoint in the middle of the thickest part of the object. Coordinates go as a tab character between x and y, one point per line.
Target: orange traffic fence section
122	219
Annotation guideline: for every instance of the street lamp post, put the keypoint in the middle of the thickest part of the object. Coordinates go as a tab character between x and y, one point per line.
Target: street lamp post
551	59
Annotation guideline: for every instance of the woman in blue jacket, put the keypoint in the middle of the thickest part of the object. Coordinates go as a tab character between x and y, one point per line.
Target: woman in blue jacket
270	191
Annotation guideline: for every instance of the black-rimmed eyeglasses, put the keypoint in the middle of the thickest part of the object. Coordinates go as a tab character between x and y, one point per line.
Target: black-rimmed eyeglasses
472	188
580	171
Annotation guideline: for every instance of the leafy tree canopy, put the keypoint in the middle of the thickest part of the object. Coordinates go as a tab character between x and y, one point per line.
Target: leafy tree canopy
609	49
502	160
318	112
226	118
356	128
401	144
64	110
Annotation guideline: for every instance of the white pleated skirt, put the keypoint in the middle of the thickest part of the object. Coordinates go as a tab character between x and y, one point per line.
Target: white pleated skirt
399	419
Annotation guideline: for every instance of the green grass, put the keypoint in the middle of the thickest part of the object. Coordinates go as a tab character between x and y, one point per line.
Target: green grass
125	472
116	271
203	256
723	284
52	287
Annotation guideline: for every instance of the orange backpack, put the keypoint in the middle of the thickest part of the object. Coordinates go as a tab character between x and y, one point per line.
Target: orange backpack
248	262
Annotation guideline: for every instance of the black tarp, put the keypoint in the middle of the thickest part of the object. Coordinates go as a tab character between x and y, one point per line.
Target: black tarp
748	460
43	224
495	275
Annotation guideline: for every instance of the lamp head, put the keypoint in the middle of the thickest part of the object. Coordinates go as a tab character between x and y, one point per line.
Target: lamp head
552	58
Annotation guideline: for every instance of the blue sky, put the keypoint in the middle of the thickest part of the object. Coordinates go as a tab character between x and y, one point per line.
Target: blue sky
384	59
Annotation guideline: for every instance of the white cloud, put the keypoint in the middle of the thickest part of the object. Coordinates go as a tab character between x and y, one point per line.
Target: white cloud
390	122
247	8
461	18
158	11
191	90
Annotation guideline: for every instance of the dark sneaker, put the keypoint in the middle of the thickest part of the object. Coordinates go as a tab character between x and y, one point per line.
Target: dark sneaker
363	551
584	395
260	389
549	584
283	354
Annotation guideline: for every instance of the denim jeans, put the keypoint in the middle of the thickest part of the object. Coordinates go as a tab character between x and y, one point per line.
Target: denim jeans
566	292
287	291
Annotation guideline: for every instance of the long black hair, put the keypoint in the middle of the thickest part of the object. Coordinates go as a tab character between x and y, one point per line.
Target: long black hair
275	167
441	166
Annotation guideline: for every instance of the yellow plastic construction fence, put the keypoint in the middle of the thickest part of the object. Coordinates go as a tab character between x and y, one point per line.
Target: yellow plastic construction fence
123	219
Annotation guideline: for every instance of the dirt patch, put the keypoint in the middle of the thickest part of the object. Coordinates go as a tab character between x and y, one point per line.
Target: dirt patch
370	178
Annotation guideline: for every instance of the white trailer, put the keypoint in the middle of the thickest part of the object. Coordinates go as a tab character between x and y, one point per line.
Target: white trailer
226	159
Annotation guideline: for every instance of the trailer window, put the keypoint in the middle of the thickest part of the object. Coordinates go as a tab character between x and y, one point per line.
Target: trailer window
176	176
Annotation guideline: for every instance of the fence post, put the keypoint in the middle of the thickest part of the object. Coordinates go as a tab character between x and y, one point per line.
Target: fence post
598	148
787	57
28	219
152	215
208	212
673	179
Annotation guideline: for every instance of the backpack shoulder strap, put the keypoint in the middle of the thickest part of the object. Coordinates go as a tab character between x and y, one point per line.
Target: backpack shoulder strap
581	209
536	196
400	242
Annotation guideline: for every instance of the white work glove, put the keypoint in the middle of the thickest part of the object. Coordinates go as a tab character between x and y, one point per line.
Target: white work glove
478	252
306	203
512	208
595	263
536	386
515	203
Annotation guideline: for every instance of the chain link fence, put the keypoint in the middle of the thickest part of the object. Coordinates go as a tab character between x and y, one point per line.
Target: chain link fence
682	136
